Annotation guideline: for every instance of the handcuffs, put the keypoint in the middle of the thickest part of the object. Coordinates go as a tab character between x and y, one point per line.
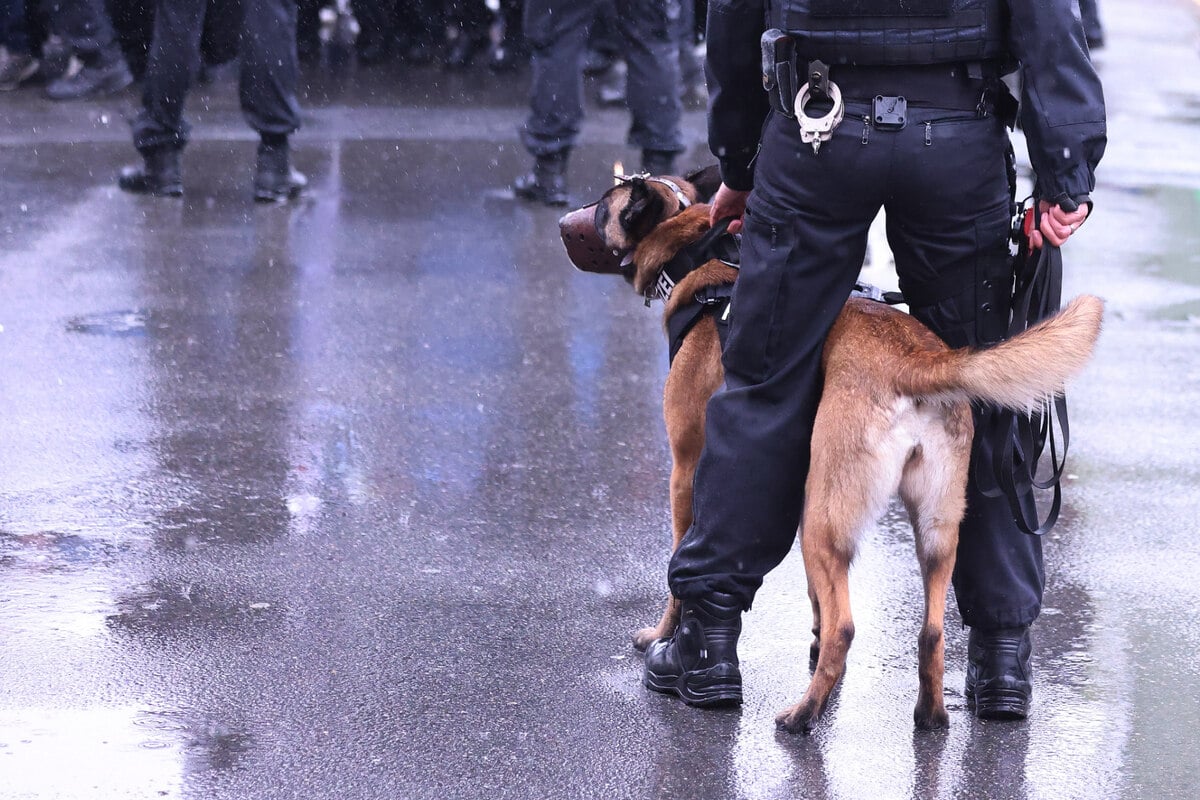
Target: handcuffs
779	78
815	130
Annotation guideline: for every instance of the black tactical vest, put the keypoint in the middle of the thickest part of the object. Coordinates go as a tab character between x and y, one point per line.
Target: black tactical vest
894	32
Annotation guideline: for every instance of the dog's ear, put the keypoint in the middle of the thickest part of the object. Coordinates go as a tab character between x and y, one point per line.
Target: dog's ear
706	180
644	211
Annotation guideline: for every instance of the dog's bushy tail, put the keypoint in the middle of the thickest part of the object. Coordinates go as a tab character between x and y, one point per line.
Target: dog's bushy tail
1016	373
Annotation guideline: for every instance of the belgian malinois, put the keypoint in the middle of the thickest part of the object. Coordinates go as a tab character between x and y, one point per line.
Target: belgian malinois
895	416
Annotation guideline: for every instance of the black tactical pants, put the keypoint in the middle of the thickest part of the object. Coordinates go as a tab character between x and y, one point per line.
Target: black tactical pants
557	33
269	70
945	190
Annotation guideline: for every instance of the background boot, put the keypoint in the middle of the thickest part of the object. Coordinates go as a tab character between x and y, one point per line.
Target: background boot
104	76
161	174
999	678
658	162
275	180
547	183
699	663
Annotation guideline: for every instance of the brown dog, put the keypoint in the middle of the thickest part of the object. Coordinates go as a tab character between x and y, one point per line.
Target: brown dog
895	415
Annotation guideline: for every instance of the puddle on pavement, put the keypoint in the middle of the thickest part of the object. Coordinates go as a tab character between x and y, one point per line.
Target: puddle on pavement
110	323
111	752
53	551
174	608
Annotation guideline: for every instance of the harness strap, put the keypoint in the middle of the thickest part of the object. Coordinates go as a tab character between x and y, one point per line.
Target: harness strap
716	243
713	301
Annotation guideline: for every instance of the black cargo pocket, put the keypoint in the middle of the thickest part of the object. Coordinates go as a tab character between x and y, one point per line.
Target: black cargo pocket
757	306
993	276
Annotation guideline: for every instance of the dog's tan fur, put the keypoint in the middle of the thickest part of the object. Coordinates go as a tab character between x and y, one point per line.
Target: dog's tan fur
894	417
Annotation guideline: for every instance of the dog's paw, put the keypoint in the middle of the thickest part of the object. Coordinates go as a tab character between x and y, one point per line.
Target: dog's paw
800	718
931	717
644	637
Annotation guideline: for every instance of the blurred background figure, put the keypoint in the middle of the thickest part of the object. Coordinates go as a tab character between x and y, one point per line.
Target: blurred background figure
267	91
1093	31
468	24
557	35
604	56
17	60
86	29
454	34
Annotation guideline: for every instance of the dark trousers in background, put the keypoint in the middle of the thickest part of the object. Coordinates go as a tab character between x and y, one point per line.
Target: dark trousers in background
267	83
14	35
86	28
557	32
945	191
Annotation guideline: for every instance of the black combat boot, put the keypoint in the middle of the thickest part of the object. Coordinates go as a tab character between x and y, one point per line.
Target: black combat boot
275	180
547	183
700	662
161	174
658	162
998	673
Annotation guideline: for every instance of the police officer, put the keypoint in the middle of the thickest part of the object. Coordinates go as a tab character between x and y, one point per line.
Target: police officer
267	90
923	136
556	32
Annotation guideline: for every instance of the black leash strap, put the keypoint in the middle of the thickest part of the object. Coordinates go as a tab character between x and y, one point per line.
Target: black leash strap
1037	295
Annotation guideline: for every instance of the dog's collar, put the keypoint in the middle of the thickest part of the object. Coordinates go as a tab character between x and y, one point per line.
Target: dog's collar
674	187
717	244
680	195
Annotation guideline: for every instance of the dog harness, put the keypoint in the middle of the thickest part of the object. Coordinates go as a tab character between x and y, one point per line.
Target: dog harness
717	244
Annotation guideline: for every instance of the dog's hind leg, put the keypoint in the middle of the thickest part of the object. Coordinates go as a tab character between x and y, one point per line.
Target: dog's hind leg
828	574
933	488
814	649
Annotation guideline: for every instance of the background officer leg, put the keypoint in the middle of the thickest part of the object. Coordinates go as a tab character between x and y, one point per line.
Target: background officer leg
267	89
556	31
654	88
160	132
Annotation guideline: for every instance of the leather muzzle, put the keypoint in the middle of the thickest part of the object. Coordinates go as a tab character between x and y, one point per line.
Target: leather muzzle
585	248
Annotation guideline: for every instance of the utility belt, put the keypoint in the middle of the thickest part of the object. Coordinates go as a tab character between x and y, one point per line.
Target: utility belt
792	81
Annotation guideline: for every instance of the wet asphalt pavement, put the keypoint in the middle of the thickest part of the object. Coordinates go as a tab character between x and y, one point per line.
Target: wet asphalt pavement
362	497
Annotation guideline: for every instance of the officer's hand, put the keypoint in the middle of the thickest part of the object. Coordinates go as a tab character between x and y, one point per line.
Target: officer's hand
1056	225
728	203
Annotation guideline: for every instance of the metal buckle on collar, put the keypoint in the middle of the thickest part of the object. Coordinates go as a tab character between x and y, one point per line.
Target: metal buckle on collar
815	130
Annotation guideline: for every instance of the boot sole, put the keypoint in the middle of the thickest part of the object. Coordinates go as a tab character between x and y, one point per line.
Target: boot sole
151	191
712	688
999	704
558	201
266	196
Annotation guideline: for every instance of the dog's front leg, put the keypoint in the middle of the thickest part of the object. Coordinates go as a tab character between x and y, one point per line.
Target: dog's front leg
695	375
682	472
